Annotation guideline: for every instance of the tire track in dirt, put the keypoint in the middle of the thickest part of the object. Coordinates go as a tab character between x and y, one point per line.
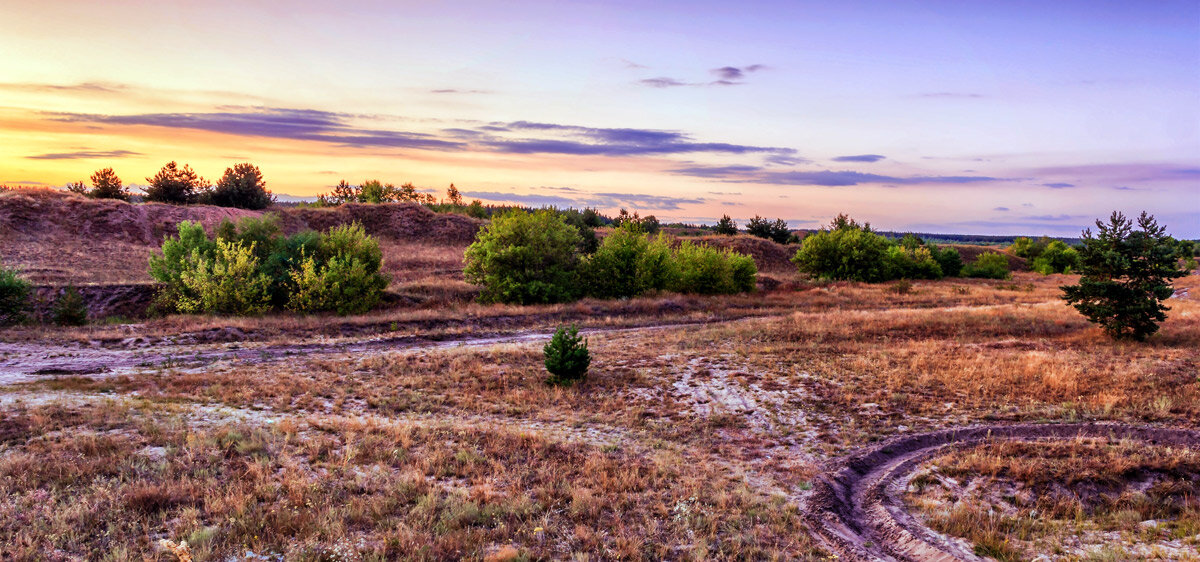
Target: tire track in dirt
856	510
25	362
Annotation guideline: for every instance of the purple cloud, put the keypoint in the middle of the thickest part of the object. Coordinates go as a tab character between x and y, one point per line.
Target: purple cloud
860	158
85	155
1058	185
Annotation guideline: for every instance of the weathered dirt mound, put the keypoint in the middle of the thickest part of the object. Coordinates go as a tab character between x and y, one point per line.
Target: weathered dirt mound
129	300
971	253
47	215
56	237
403	221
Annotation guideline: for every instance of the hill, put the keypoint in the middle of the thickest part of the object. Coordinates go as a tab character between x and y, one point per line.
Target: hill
55	237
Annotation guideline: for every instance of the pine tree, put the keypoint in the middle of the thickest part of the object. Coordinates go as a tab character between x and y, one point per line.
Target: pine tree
1126	274
726	226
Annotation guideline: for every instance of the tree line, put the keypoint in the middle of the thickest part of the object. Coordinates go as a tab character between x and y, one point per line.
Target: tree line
241	186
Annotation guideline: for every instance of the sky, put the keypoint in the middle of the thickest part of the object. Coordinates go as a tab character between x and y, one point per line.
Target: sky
967	117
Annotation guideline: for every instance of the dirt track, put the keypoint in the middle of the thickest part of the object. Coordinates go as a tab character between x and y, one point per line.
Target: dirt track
24	362
855	506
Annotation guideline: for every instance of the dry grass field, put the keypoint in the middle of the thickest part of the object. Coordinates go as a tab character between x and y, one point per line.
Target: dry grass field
698	433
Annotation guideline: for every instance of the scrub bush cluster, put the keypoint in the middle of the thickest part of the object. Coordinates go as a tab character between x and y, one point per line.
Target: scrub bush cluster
249	268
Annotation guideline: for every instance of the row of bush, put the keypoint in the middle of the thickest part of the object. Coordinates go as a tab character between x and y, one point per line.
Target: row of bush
538	257
850	251
241	186
250	268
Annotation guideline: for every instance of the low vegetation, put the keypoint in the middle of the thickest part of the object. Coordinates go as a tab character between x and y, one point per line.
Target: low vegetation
528	258
250	268
14	296
989	265
847	250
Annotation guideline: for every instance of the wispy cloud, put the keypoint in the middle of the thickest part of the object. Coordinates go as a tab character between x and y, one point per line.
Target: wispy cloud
860	158
89	87
518	137
664	82
1058	185
826	178
298	124
84	155
578	199
1001	209
459	91
951	95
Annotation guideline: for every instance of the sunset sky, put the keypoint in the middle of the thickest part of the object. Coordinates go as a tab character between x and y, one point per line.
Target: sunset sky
979	117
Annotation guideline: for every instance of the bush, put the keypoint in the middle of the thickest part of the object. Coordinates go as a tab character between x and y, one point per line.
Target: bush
776	230
567	357
1056	257
250	268
915	263
628	263
175	185
14	297
525	258
709	271
989	265
69	309
846	252
227	281
948	259
1025	247
343	277
726	226
243	187
1126	274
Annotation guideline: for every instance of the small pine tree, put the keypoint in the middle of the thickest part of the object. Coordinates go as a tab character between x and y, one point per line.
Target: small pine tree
567	357
78	188
726	226
176	185
1125	276
69	309
243	187
106	185
454	196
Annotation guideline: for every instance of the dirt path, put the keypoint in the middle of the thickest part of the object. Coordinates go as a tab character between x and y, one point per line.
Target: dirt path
24	362
855	507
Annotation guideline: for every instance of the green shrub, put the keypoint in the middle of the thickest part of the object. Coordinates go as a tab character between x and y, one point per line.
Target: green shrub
69	308
525	258
348	282
14	297
989	265
846	252
710	271
191	244
567	357
628	263
1125	276
251	268
227	281
1024	247
1057	257
948	259
915	263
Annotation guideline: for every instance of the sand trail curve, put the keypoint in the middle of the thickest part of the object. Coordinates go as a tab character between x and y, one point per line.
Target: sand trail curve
856	509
